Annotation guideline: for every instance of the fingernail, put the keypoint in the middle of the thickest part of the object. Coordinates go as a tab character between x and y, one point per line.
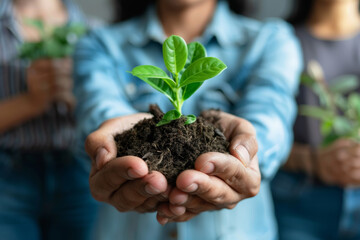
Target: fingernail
208	168
100	157
151	190
163	221
132	173
243	155
179	199
191	188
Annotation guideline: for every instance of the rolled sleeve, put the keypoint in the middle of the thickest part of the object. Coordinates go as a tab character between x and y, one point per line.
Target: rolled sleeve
269	96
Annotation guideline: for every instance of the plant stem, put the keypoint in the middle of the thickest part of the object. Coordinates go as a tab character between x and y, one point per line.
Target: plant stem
178	103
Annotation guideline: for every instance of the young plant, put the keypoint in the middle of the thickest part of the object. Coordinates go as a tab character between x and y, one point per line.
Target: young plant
339	110
55	43
189	68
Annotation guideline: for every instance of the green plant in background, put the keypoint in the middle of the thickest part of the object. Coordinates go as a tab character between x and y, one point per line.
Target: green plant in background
339	110
55	43
189	68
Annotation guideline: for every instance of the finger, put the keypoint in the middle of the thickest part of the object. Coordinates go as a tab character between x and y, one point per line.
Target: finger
133	194
355	150
63	83
244	147
245	180
166	214
100	145
150	205
231	124
192	203
104	182
183	218
170	211
211	189
339	144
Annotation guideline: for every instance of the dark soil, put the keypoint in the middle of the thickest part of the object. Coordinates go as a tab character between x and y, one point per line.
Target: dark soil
171	148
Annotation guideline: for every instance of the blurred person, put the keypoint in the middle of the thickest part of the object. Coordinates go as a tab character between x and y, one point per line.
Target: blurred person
256	93
44	187
316	194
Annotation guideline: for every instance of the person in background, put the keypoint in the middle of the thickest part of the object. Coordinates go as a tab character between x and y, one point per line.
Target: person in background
316	194
44	186
256	93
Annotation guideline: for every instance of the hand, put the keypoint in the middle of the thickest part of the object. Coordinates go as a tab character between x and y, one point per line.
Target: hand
41	83
219	180
64	82
339	164
124	182
50	80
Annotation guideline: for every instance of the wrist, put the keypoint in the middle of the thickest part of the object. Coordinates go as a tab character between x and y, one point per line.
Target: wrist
301	159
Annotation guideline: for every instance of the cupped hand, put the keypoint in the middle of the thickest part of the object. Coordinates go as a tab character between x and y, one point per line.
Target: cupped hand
219	180
40	77
50	80
339	164
124	182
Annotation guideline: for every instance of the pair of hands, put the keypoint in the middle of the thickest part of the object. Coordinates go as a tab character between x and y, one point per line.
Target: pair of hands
218	180
339	164
50	81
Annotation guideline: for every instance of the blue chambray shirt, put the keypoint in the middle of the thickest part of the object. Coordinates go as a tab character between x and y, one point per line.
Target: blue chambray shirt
264	63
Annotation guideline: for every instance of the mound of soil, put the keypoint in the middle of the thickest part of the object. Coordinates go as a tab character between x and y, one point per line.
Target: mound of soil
171	148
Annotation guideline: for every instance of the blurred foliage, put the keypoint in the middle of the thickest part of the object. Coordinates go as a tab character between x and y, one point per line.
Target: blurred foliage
57	43
339	109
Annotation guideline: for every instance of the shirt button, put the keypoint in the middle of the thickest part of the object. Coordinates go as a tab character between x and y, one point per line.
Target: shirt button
130	88
173	234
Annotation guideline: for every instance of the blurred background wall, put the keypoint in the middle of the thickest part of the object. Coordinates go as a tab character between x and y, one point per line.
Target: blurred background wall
267	8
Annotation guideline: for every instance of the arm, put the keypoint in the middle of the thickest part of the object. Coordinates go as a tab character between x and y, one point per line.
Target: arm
122	182
97	88
44	87
16	111
268	101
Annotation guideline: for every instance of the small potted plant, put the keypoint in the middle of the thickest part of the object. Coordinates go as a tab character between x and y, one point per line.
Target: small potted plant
339	108
54	43
54	49
171	142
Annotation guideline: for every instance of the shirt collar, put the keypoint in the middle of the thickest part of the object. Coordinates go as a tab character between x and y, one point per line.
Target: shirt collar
150	29
7	18
220	28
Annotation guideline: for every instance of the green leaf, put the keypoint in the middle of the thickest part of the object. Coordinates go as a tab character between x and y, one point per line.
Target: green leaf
190	119
316	112
326	127
342	126
344	84
201	70
175	53
190	89
329	139
156	78
57	43
195	51
168	117
307	80
354	103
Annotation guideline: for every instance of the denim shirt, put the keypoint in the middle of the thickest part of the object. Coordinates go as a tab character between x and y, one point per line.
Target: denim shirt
259	85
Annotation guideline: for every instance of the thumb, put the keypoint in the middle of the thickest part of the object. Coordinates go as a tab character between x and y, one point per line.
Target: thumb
100	147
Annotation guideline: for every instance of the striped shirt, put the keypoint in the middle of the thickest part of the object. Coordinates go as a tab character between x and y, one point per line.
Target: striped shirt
53	130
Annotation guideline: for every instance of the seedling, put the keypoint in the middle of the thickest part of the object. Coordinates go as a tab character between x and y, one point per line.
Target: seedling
339	110
55	43
189	68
